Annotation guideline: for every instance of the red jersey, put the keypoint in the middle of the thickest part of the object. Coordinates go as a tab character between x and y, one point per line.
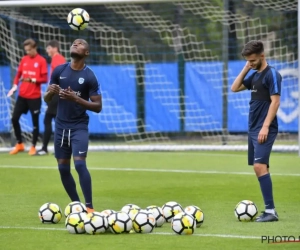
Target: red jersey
57	59
34	68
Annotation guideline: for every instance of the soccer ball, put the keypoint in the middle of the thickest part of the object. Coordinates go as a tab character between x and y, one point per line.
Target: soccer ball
143	222
75	207
119	222
197	213
127	207
158	215
183	223
50	213
75	223
245	210
107	212
132	212
95	223
78	19
170	209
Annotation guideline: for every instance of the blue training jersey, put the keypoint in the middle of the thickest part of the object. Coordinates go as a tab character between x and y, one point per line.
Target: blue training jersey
84	83
262	85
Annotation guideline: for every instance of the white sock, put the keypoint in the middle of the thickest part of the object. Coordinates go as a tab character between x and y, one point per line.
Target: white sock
270	211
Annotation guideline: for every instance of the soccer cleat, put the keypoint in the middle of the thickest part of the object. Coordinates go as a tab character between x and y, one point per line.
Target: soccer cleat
18	148
90	210
32	151
41	152
267	217
262	214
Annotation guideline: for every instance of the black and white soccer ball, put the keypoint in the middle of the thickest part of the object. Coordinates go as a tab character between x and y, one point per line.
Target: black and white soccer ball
75	223
127	207
170	209
95	223
132	212
158	215
119	222
245	210
78	19
75	207
107	212
183	223
197	213
144	221
50	213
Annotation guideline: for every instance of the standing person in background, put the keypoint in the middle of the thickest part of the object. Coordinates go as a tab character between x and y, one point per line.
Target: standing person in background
57	59
32	72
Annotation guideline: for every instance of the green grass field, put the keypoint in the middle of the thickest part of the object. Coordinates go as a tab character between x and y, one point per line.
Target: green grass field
214	181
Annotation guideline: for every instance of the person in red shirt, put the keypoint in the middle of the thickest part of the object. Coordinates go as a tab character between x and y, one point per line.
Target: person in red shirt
32	72
52	49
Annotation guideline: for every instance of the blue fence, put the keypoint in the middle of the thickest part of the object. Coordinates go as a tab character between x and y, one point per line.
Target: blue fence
203	99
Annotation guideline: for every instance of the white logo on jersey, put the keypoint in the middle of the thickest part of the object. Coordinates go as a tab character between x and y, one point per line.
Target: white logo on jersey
35	65
81	80
253	90
62	77
78	93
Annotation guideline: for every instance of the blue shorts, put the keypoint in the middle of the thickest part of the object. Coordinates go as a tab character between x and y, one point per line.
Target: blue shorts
70	141
260	153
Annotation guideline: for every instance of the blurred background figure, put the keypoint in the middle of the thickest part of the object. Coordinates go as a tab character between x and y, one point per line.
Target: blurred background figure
32	72
53	51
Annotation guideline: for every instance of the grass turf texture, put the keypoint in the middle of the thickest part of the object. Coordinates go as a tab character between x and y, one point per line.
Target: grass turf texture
216	183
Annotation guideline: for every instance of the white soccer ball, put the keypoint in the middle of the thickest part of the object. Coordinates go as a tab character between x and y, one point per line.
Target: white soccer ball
170	209
75	223
95	223
78	19
75	207
143	222
50	213
197	213
245	210
132	212
158	215
127	207
107	212
119	222
183	223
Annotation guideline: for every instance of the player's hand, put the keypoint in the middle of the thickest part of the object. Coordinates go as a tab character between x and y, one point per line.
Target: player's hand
263	135
247	66
68	94
12	90
26	79
54	89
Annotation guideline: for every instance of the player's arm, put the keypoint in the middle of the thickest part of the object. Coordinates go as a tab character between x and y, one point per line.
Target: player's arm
274	85
53	88
94	93
95	105
42	77
16	80
238	84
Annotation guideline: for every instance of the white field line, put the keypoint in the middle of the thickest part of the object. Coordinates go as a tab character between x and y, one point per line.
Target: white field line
184	171
154	233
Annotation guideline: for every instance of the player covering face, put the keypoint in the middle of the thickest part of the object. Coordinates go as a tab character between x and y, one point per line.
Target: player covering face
78	90
265	86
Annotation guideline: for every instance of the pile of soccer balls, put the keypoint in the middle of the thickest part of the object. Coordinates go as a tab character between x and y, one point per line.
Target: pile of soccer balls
130	219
